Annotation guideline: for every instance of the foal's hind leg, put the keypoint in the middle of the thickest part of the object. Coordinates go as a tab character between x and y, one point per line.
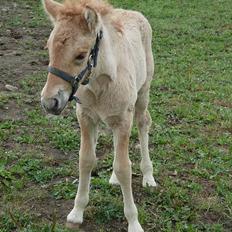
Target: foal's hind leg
143	121
86	163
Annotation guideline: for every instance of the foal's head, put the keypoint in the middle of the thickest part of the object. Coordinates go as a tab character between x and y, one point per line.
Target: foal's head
75	28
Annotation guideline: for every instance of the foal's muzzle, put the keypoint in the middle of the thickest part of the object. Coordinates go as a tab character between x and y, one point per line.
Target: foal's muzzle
56	104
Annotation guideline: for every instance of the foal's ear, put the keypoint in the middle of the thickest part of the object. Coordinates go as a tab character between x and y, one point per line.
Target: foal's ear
52	8
92	19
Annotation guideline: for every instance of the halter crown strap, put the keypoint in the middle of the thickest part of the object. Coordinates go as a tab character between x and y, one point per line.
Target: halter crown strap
95	50
83	76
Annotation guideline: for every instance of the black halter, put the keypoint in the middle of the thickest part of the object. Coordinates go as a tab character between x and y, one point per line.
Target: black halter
83	76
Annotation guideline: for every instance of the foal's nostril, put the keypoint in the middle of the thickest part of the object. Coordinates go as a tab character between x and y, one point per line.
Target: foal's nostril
56	103
51	104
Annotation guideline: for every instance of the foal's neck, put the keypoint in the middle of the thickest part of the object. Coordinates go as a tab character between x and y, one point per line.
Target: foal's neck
106	69
107	63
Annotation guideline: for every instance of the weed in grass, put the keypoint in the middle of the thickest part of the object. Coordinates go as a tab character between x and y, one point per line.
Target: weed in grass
64	190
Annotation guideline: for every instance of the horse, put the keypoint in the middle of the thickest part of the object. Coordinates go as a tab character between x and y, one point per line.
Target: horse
102	57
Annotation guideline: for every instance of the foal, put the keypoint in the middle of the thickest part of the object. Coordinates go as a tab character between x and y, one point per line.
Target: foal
111	51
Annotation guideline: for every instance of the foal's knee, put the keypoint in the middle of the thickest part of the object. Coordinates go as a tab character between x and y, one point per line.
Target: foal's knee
87	163
143	120
123	171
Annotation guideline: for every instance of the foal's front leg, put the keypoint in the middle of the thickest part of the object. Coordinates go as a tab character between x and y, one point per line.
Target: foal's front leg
87	161
122	170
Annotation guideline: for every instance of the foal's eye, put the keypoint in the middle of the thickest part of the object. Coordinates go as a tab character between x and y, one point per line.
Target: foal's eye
80	58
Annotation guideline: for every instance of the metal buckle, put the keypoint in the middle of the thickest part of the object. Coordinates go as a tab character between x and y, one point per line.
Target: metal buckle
75	98
76	81
91	61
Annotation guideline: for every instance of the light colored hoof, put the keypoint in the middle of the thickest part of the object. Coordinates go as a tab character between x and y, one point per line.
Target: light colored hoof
75	217
113	179
72	226
135	227
149	181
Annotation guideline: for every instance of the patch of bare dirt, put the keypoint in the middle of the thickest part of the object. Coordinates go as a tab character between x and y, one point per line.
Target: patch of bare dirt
209	187
173	120
19	46
211	217
223	103
12	112
56	211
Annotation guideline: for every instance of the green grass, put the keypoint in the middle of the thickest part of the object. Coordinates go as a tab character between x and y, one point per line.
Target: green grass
190	139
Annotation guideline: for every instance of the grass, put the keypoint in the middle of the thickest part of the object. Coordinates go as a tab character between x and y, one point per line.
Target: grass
190	140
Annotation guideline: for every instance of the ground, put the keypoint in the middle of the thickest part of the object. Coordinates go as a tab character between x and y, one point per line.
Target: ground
190	139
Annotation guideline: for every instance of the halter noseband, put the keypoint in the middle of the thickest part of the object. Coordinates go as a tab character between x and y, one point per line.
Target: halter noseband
83	76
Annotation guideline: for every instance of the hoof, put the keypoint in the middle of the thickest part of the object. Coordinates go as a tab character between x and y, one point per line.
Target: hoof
72	226
149	181
75	217
135	227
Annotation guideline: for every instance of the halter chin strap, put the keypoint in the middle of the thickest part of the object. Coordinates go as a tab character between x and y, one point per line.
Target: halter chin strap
83	76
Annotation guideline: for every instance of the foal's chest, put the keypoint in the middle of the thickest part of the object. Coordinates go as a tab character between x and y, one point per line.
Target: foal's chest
109	100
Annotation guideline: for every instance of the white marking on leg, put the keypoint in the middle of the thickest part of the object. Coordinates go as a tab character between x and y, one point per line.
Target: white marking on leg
143	123
75	216
135	227
86	163
146	164
82	197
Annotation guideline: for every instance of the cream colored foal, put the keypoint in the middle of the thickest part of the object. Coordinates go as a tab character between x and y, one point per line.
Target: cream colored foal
103	57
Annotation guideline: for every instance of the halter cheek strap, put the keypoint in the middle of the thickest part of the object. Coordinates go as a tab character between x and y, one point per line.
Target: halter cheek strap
83	76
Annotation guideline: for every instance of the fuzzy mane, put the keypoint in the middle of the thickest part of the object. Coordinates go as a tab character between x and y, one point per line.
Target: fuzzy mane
75	7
